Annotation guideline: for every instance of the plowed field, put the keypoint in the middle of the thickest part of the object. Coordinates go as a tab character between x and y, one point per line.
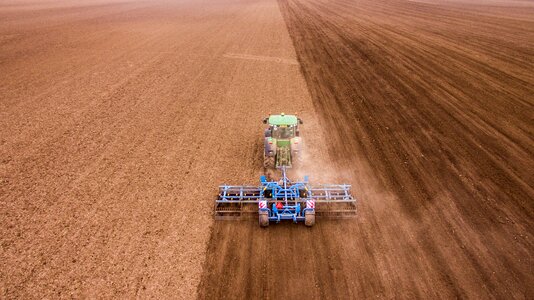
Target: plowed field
119	119
428	109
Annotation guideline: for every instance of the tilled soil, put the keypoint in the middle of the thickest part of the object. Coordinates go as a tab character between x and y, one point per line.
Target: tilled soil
118	121
428	109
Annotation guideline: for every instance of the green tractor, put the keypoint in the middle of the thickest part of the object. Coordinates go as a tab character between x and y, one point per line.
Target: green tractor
282	142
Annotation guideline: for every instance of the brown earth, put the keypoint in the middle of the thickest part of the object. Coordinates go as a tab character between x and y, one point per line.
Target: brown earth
119	119
429	106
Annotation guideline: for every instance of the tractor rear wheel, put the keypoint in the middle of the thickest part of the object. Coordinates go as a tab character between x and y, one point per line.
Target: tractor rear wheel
268	161
264	219
309	218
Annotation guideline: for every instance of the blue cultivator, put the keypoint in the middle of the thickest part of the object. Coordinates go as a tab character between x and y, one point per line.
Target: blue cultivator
280	200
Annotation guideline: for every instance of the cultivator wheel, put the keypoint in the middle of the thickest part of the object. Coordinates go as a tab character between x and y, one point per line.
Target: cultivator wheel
309	218
264	218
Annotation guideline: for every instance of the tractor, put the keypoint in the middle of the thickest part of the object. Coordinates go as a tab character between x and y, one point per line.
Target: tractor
274	200
282	142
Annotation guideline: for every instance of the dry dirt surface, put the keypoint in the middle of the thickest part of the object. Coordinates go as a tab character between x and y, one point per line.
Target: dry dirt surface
428	108
118	121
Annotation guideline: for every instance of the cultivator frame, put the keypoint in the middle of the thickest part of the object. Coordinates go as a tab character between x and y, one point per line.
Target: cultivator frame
274	201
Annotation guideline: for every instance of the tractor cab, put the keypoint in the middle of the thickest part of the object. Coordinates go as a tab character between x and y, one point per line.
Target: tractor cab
283	132
282	141
282	127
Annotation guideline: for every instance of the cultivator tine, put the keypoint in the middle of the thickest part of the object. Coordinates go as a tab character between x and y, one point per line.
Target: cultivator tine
336	210
236	202
333	201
